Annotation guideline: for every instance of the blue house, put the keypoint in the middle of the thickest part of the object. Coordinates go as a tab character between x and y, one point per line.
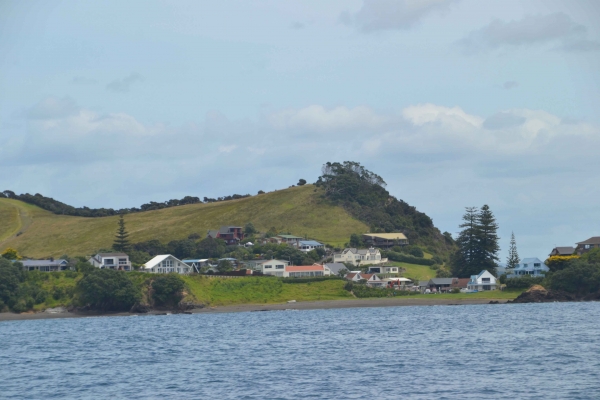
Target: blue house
308	245
530	266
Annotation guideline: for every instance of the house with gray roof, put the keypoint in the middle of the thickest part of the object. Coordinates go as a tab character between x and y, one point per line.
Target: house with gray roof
49	265
118	260
440	284
588	245
562	251
532	266
336	268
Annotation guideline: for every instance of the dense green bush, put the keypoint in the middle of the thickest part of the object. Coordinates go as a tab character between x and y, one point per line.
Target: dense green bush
580	277
167	290
361	290
11	277
524	282
108	290
392	255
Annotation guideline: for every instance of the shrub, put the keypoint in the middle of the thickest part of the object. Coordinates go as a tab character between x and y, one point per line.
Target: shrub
579	278
392	255
167	290
524	282
109	290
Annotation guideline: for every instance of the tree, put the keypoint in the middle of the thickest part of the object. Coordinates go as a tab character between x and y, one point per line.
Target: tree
167	290
513	256
121	242
249	229
11	254
224	266
301	182
210	248
477	243
10	279
108	290
356	241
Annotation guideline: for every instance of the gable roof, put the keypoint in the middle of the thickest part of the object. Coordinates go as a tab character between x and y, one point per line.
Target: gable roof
212	233
423	283
43	263
441	281
460	282
227	229
118	254
158	259
564	250
290	237
351	275
592	240
335	268
310	243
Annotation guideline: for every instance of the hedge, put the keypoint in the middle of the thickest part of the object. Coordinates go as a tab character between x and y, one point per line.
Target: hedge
392	255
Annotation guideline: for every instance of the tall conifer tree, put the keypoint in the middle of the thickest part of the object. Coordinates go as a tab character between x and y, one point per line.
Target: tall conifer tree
513	256
121	238
463	259
487	254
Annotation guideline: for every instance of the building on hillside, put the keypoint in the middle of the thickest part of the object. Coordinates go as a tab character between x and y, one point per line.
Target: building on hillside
440	284
230	234
529	266
166	263
308	245
197	264
482	281
371	279
50	265
385	240
305	271
383	269
336	268
587	245
358	257
268	267
288	239
119	261
562	251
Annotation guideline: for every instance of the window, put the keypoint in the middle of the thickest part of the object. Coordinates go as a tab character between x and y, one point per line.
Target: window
167	263
487	287
485	279
587	246
109	261
537	265
279	266
122	261
268	266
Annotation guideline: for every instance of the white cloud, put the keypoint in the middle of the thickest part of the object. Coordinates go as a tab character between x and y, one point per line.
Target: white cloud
320	119
376	15
52	107
557	28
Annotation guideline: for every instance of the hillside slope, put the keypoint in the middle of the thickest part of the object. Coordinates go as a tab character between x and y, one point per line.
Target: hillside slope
298	210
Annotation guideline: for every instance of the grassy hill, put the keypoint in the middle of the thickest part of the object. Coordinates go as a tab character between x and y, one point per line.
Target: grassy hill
38	233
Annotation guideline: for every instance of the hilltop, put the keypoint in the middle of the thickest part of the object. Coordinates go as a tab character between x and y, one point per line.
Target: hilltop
35	232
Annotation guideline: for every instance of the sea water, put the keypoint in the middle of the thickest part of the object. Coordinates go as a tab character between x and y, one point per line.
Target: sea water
516	351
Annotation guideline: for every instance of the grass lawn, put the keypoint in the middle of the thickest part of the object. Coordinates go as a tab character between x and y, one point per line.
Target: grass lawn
414	271
298	210
231	291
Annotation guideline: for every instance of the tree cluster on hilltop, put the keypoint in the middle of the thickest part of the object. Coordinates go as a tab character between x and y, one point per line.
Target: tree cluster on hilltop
362	193
477	243
60	208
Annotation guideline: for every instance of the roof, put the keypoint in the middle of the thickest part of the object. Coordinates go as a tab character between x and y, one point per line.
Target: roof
158	259
592	240
351	275
310	243
290	237
212	233
300	268
423	283
273	260
112	254
387	236
366	276
460	282
441	281
336	267
564	250
397	280
42	263
198	260
226	229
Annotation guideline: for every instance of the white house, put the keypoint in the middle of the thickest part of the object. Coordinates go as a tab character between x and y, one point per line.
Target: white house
372	279
483	281
166	263
530	266
271	267
308	245
45	265
197	264
359	256
382	269
118	261
306	271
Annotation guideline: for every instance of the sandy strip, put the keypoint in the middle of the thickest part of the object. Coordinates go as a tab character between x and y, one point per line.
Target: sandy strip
305	305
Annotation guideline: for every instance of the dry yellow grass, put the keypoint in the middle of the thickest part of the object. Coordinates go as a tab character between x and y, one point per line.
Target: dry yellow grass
297	210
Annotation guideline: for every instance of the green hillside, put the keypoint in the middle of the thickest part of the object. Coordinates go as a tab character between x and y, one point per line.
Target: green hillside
298	210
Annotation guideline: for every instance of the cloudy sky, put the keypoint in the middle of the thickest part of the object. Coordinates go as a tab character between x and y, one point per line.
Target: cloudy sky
454	102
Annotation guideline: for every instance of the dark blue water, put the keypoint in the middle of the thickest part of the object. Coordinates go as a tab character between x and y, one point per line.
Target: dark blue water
521	351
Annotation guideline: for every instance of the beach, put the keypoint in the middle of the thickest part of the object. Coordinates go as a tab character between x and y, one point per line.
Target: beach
305	305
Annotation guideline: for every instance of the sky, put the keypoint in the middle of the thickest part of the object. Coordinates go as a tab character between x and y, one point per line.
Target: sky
454	103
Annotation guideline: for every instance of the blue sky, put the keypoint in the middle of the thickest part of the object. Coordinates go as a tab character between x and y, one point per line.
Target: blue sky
454	102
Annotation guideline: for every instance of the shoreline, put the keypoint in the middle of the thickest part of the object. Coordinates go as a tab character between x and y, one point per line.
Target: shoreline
305	305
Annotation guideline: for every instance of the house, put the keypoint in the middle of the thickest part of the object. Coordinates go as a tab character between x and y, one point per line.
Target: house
483	281
385	240
440	284
288	239
230	234
118	261
382	269
166	263
371	279
335	268
45	265
423	285
358	257
197	264
562	251
587	245
459	283
308	245
305	271
269	267
400	282
529	266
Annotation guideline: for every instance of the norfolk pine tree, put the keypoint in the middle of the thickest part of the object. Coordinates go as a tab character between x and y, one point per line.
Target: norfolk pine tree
121	238
487	255
513	256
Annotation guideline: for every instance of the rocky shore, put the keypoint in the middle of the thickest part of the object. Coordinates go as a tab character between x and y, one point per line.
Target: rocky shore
539	294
